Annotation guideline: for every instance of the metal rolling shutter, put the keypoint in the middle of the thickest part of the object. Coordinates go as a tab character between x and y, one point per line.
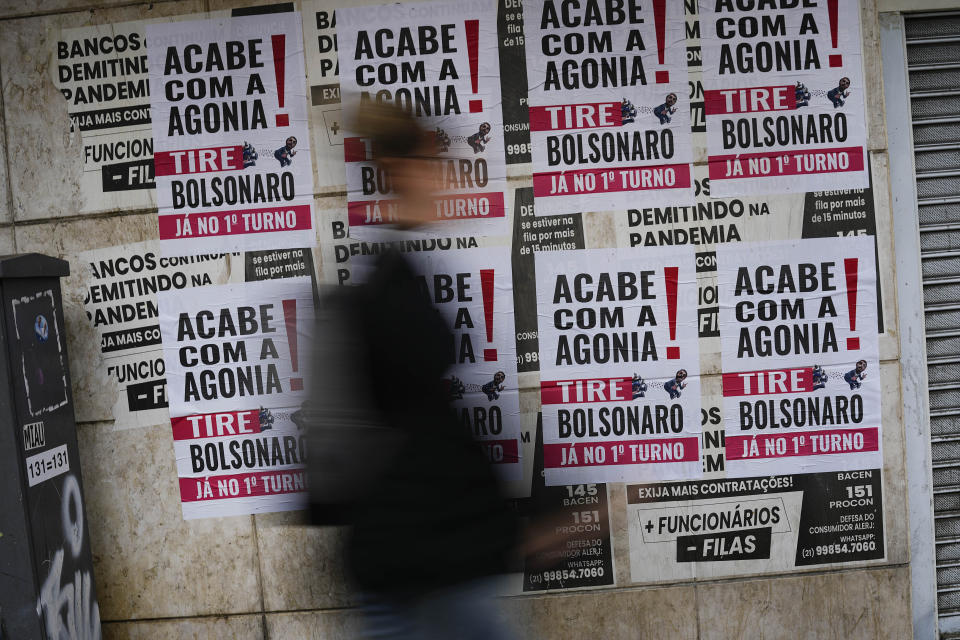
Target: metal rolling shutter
933	62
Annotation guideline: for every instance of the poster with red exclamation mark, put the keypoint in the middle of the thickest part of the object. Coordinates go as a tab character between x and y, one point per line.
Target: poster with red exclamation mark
236	364
801	368
440	62
619	365
472	290
231	134
784	96
609	105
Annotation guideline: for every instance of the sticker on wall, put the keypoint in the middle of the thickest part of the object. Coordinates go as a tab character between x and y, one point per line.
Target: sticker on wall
620	365
609	105
42	364
34	436
801	379
47	464
784	96
231	134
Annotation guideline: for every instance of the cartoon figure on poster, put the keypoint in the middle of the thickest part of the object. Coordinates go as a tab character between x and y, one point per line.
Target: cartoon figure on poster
855	377
619	365
666	111
801	95
250	155
676	386
628	112
265	417
456	388
819	377
442	140
638	387
478	141
839	94
493	388
285	153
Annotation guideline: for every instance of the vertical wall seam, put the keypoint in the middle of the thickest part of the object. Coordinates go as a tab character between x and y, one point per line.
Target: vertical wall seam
263	605
6	161
696	605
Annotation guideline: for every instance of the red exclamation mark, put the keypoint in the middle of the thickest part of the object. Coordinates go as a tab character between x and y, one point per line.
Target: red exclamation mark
671	275
850	267
279	65
836	60
290	320
486	290
472	28
660	23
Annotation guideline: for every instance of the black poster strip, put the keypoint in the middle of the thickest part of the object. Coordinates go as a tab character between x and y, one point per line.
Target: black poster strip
513	81
130	339
841	518
128	176
144	396
110	118
745	544
530	234
580	514
280	7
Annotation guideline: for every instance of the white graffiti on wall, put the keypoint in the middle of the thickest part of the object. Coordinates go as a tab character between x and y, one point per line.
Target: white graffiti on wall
70	611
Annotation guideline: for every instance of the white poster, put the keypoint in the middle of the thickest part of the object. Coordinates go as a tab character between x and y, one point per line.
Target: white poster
101	71
620	365
231	134
122	284
769	524
438	61
473	292
323	82
609	104
784	96
237	357
801	379
756	218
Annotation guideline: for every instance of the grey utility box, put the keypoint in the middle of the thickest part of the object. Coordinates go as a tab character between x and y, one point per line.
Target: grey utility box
46	572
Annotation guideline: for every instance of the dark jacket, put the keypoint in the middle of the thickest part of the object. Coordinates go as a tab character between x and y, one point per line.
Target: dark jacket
434	514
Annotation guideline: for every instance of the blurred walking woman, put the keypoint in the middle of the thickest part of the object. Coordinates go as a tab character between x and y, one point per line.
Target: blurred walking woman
429	526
